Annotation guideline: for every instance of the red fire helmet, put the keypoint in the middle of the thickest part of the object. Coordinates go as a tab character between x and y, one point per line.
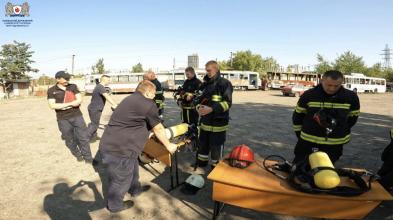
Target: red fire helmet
241	156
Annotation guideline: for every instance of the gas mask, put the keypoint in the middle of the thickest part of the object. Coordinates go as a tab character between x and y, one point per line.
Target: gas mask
326	121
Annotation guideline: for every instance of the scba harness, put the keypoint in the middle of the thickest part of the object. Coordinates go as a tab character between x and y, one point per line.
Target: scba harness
301	176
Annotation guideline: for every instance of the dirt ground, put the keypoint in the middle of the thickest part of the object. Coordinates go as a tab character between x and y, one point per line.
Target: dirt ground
35	161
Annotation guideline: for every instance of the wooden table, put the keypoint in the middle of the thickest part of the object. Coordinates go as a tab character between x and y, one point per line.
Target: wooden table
155	149
255	188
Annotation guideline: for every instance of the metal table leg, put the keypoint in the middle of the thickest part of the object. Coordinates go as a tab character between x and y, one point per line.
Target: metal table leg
217	209
171	174
177	169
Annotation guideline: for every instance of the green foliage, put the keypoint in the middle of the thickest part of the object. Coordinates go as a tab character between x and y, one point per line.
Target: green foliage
15	60
388	74
375	71
224	65
350	63
46	80
137	68
323	65
98	68
247	61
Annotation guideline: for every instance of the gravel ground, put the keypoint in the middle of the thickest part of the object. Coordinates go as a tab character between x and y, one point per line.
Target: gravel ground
35	161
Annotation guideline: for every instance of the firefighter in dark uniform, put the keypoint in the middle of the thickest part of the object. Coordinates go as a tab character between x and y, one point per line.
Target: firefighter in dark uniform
159	98
386	171
123	141
97	104
324	116
213	107
189	114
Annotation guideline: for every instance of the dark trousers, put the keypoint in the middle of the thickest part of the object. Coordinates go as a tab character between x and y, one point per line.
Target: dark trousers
123	177
189	116
161	111
95	116
386	174
213	143
74	133
304	148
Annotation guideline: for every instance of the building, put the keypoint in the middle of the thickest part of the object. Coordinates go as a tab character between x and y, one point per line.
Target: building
193	61
15	88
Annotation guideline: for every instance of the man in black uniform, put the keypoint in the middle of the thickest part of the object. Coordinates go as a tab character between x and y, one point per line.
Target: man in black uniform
386	171
189	114
98	99
159	97
324	116
123	141
215	101
65	99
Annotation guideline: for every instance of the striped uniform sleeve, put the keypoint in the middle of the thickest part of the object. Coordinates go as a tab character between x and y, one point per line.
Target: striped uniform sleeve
226	100
298	114
354	111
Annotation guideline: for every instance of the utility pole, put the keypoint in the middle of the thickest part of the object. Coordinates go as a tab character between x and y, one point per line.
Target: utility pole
72	65
231	59
174	63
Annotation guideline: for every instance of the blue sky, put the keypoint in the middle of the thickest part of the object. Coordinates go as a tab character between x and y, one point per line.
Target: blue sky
154	32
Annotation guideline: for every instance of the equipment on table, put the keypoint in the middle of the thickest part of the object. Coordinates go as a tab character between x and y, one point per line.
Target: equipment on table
181	134
175	131
241	156
316	174
325	176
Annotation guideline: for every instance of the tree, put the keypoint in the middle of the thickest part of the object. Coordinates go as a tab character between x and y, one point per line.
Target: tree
46	80
224	65
350	63
388	74
270	64
375	71
137	68
246	60
98	68
15	60
323	65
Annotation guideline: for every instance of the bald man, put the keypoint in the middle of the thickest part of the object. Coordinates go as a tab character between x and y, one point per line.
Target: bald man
123	141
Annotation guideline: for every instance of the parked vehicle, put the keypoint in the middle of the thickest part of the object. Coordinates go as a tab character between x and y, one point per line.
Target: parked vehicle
241	80
119	82
294	90
358	82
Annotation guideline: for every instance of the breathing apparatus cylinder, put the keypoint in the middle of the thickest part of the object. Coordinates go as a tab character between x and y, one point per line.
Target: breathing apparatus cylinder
325	177
176	130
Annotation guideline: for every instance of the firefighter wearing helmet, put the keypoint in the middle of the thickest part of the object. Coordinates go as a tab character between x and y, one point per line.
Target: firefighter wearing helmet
213	107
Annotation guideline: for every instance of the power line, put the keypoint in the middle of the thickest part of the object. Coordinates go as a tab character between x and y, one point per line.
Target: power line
386	56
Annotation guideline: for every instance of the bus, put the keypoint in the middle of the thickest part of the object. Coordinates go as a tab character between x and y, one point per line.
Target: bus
358	82
241	80
122	82
278	80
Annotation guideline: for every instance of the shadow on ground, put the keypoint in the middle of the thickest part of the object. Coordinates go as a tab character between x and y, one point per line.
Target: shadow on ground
267	129
62	203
